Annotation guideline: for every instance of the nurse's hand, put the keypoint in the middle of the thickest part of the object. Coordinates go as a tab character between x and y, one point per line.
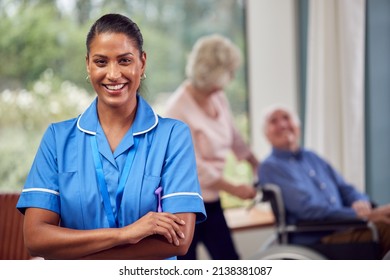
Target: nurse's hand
165	224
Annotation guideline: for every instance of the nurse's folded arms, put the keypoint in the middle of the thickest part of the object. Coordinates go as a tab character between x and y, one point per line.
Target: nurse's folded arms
118	181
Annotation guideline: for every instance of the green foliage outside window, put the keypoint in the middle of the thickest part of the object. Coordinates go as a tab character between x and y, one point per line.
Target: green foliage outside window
42	74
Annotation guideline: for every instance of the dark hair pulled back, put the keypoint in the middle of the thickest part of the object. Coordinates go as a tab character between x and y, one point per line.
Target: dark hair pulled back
116	23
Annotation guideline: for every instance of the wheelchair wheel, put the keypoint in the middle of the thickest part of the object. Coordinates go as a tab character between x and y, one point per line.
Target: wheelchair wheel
288	252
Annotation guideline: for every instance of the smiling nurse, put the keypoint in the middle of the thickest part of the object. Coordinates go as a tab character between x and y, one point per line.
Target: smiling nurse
119	181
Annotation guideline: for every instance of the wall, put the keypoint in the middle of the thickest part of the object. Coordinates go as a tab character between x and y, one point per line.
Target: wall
273	58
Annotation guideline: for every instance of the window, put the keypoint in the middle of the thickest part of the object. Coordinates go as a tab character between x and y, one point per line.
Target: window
43	79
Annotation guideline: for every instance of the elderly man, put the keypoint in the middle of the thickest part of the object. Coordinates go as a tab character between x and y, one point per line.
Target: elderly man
311	188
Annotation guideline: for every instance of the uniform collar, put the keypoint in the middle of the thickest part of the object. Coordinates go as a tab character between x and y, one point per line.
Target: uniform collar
145	119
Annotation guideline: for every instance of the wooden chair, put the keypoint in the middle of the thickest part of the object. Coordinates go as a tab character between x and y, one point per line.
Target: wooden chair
11	229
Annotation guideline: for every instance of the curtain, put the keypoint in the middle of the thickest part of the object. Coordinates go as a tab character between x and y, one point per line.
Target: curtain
334	123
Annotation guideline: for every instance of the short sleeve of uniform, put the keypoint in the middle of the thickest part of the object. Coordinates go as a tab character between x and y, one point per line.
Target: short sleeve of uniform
180	179
41	187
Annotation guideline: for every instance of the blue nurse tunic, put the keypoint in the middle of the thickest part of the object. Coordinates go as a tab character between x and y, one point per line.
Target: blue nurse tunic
63	177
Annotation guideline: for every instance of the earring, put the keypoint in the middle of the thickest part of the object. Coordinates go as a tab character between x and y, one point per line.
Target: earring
143	77
87	79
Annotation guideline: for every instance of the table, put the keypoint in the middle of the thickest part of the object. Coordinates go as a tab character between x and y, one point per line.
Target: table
243	218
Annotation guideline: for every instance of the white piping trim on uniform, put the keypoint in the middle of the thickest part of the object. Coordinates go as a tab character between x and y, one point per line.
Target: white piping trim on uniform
150	128
136	133
41	190
82	129
182	193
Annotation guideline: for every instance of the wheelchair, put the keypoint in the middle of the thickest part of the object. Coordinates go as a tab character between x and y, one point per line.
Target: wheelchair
278	247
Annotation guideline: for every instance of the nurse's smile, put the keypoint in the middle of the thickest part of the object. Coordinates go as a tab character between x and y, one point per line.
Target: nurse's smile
88	193
115	88
115	66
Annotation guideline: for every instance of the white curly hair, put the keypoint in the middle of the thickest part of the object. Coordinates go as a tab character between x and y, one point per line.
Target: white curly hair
212	62
268	111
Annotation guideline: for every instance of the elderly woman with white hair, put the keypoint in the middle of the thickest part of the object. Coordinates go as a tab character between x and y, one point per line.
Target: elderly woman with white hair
200	102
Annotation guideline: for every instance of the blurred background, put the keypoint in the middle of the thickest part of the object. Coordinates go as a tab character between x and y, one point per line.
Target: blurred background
329	60
42	77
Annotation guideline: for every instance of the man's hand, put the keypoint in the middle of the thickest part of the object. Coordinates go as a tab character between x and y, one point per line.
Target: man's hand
380	214
362	208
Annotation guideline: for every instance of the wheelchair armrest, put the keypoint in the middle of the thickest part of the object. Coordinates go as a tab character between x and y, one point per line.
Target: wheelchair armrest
271	193
334	225
348	222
